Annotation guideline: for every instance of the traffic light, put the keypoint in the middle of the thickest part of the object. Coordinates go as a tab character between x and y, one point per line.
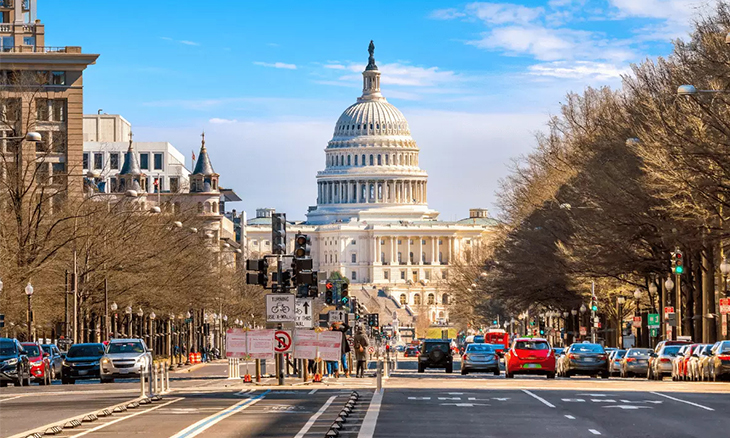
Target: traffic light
302	246
314	286
303	271
344	293
594	304
278	233
677	262
260	277
329	293
373	320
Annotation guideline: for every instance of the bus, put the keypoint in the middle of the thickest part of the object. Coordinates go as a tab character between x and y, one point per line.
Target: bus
497	337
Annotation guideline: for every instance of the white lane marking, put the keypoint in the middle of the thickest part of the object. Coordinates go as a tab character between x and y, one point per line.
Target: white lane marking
456	393
537	397
464	405
101	426
313	391
682	401
419	398
367	430
576	400
594	431
594	395
603	400
11	398
570	417
314	417
204	424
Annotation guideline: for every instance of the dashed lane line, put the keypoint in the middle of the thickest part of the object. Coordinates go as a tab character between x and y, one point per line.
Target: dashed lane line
313	418
206	423
683	401
537	397
570	417
594	431
313	391
11	398
126	417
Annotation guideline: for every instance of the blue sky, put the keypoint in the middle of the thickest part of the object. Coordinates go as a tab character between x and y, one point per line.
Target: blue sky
268	80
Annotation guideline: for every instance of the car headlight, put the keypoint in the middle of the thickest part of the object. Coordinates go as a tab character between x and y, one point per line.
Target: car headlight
12	361
66	364
105	360
36	363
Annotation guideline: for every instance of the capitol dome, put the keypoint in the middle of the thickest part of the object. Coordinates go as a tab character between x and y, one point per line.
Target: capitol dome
371	163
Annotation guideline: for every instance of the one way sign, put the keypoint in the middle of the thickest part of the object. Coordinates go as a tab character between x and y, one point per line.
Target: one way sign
304	313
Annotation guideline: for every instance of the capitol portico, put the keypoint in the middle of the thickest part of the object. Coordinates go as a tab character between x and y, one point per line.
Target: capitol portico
372	223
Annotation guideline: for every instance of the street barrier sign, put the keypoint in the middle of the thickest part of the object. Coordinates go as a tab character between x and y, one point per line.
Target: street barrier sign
672	319
637	322
330	345
724	306
236	345
724	324
280	307
653	321
305	344
283	340
261	343
303	317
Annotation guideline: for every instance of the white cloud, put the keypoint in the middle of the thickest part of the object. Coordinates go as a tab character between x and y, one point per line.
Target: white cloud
504	13
578	70
335	66
276	65
672	10
186	42
540	42
446	14
397	74
217	121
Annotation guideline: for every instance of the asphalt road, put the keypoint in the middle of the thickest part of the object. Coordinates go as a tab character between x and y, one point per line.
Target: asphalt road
433	404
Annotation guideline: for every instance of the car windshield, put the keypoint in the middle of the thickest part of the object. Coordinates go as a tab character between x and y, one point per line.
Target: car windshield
479	339
86	350
587	348
480	348
638	352
125	347
47	349
7	348
724	348
32	350
671	350
532	345
430	346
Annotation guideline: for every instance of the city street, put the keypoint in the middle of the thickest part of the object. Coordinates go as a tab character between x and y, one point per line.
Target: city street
432	404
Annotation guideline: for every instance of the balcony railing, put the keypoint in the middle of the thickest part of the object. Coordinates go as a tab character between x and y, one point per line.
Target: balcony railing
6	27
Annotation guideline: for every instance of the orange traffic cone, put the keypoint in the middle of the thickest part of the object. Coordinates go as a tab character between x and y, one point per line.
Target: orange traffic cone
247	378
317	378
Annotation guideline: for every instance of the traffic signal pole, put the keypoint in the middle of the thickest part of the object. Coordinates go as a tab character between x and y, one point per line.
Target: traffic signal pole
593	312
678	310
281	289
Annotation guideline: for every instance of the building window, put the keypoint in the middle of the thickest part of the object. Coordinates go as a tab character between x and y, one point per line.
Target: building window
415	275
29	41
423	257
355	160
399	241
382	257
354	258
423	241
402	274
399	257
98	160
371	160
410	257
428	275
380	161
443	275
445	299
403	299
386	274
386	160
174	184
348	160
158	162
363	159
441	257
42	110
144	161
441	242
431	299
59	142
58	78
353	241
112	185
59	110
353	275
42	146
114	161
59	173
86	160
411	241
417	299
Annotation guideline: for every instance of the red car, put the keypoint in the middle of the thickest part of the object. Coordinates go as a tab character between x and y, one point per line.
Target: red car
40	366
530	356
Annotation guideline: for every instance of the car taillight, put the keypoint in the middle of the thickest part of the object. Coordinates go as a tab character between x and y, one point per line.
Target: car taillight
724	357
664	359
601	356
631	359
573	356
466	357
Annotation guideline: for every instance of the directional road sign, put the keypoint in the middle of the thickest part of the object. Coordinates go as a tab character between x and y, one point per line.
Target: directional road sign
337	316
280	307
304	313
653	320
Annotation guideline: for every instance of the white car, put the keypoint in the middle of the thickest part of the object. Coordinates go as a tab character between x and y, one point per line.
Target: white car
124	358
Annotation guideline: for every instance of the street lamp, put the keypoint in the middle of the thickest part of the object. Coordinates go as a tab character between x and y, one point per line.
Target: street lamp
583	308
29	293
113	307
725	269
128	311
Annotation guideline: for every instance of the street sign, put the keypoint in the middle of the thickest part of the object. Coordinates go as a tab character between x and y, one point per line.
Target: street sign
583	331
336	316
653	332
672	319
283	342
653	321
236	345
304	313
724	306
350	319
667	311
637	322
280	307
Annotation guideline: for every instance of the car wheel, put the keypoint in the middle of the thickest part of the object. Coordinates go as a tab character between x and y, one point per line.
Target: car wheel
109	380
508	375
551	375
568	374
449	368
604	375
497	372
3	384
464	372
420	368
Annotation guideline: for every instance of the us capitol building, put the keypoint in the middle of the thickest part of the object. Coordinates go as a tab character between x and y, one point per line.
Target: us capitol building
372	223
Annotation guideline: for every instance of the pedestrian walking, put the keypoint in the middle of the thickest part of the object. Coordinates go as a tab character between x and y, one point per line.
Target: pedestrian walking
361	344
345	346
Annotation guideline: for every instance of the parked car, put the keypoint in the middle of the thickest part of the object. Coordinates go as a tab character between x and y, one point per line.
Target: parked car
40	366
720	363
55	358
530	356
480	357
678	359
411	352
586	359
82	362
680	364
706	362
660	362
435	353
14	363
635	362
124	358
693	364
614	361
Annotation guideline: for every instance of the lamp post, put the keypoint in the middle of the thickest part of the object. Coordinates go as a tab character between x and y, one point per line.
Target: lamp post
114	308
140	314
725	269
582	310
619	320
128	311
574	312
29	293
669	286
637	296
153	341
190	337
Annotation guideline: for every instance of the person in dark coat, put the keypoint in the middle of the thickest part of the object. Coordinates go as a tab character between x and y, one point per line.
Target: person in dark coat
361	344
343	328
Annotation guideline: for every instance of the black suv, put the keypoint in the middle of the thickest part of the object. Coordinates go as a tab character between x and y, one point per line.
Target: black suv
14	364
435	353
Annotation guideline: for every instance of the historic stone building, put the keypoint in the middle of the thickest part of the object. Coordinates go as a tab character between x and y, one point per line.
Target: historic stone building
372	223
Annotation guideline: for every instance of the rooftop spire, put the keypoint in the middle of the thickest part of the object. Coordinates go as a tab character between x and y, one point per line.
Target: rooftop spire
131	164
371	58
203	166
371	79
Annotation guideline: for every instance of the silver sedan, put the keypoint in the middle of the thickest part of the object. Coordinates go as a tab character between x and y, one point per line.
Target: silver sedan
480	357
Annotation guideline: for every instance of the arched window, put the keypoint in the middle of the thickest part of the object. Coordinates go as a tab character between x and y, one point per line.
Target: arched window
441	314
207	207
403	299
348	160
363	159
445	299
215	207
355	160
372	189
416	299
380	162
200	207
411	257
371	160
386	159
431	299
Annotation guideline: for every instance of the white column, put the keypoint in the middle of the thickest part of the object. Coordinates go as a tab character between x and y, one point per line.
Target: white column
420	250
450	242
434	251
378	250
393	251
407	255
